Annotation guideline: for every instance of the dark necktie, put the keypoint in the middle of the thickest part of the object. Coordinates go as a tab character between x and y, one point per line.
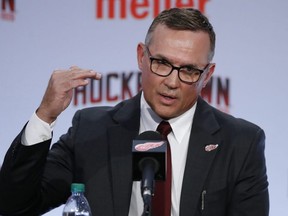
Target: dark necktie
161	202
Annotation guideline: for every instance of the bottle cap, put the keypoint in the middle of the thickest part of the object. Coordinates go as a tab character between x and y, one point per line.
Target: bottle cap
77	187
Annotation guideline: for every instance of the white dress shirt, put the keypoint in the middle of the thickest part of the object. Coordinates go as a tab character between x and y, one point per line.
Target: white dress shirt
38	131
178	140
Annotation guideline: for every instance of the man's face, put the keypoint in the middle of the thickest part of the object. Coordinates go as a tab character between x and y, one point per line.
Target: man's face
168	96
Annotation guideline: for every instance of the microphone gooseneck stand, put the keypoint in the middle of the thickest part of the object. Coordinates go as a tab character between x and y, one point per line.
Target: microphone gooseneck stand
149	167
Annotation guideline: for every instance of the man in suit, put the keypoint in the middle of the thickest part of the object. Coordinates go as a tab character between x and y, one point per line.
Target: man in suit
218	163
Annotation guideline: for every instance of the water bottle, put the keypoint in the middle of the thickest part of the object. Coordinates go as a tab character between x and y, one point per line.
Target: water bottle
77	204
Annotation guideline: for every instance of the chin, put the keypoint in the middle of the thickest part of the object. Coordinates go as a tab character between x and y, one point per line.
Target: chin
166	116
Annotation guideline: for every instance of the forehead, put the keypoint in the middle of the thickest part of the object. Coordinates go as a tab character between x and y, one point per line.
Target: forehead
180	45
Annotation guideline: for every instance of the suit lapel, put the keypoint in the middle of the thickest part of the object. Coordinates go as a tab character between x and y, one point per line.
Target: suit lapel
199	160
120	137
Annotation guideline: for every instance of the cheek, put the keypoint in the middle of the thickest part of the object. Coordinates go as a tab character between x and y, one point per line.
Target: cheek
190	95
148	80
144	80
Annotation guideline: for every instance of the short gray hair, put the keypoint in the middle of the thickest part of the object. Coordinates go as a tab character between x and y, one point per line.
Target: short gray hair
184	19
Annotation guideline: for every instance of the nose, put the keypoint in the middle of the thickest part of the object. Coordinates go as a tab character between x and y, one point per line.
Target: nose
172	81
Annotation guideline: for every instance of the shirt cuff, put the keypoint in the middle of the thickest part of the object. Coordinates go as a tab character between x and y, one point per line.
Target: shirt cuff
37	131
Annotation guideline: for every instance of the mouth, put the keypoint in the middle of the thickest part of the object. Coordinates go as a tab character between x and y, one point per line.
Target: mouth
167	99
168	96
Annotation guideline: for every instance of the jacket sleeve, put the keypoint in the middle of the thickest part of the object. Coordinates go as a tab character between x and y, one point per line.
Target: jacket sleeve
35	179
20	176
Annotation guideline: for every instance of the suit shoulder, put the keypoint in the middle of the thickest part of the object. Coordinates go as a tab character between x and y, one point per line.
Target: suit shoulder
102	112
231	121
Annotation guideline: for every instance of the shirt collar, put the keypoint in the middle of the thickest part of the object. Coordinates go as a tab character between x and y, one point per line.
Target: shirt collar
180	125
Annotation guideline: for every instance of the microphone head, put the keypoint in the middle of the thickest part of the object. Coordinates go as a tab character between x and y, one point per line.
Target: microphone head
149	146
149	135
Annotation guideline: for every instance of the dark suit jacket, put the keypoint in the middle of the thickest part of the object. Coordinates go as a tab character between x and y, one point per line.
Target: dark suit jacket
228	181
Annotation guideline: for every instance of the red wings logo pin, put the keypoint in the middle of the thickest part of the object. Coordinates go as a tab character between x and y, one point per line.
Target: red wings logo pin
211	147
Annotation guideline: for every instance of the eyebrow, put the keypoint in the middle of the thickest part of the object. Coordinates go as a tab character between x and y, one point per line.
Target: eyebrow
161	57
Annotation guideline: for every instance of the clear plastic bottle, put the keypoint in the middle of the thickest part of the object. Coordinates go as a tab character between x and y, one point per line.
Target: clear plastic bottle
77	204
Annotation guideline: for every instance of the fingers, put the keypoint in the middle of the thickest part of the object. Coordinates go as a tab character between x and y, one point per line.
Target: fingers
74	77
80	77
58	94
79	73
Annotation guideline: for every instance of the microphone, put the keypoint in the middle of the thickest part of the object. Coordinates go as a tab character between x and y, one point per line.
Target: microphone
149	163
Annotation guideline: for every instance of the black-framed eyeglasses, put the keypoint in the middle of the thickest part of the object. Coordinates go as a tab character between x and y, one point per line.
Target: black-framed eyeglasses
163	68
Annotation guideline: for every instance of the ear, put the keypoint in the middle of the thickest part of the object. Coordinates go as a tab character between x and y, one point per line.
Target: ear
208	74
140	55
